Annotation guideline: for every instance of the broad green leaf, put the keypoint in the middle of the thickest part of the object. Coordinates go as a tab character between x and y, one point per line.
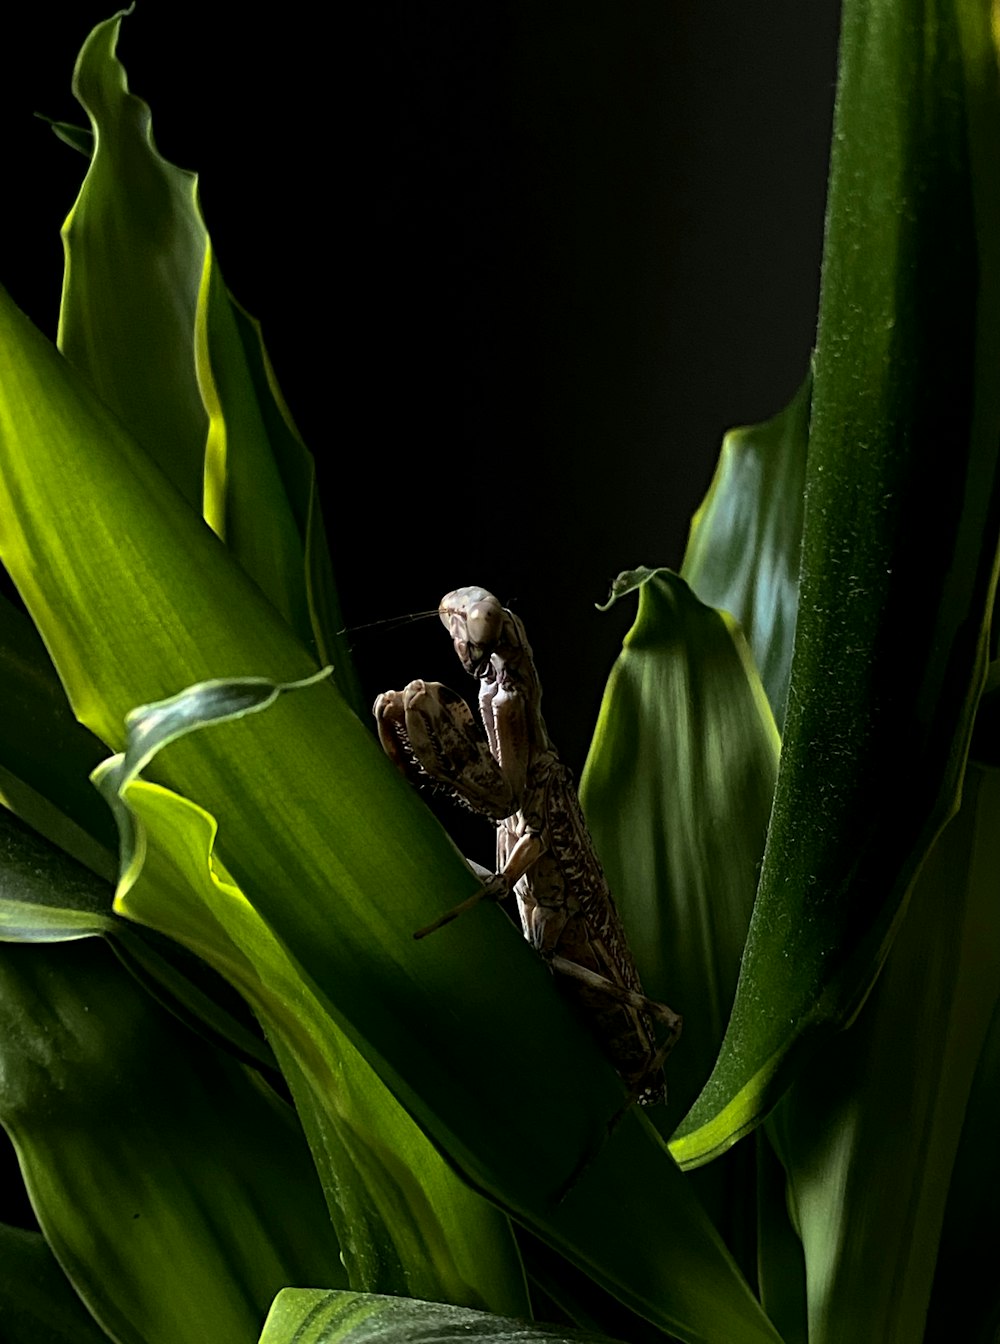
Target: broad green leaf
193	993
881	1108
899	540
677	790
745	541
147	318
152	727
135	599
406	1222
364	1144
316	1316
176	1193
244	496
135	254
37	1302
298	476
45	897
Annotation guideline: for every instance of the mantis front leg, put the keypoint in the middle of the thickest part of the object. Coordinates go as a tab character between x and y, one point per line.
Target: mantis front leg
429	730
545	853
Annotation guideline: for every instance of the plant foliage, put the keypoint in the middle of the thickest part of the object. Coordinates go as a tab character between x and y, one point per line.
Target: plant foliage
244	1101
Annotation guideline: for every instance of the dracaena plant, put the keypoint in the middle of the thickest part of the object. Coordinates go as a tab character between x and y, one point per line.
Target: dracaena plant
243	1099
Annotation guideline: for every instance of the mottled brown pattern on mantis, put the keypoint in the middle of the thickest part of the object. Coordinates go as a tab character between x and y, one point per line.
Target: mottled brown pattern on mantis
545	854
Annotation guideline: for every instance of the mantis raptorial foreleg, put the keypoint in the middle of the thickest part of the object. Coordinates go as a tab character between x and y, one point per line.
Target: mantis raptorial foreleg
544	851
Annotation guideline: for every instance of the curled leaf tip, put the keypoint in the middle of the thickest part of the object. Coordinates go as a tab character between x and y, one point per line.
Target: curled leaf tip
628	580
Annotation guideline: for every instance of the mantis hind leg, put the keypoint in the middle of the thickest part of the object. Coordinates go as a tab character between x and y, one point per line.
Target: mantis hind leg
631	999
649	1078
496	886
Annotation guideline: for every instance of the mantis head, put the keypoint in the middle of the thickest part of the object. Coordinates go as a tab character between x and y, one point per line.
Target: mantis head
478	626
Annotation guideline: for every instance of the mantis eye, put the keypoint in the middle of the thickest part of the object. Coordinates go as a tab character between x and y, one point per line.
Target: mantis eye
483	621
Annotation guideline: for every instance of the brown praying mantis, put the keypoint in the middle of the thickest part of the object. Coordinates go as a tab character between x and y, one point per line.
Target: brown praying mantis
545	854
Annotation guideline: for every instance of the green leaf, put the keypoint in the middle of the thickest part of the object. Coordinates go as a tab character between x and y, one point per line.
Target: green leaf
677	789
136	598
152	727
45	896
37	1302
46	756
297	469
176	1193
745	541
406	1222
147	318
881	1108
136	251
899	541
364	1144
80	138
318	1316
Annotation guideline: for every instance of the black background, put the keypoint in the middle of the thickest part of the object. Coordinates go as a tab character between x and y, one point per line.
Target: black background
520	265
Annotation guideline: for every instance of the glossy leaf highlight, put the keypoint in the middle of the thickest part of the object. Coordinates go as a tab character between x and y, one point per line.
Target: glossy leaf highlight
311	1316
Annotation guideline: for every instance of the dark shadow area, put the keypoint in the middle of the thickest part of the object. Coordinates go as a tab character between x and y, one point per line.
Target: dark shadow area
519	267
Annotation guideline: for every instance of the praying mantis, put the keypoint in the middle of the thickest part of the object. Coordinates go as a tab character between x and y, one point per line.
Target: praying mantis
545	854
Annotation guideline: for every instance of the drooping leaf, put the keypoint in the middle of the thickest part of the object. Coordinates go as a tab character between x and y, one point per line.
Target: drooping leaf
37	1301
176	1193
745	541
151	727
45	896
136	598
406	1222
46	758
315	1316
881	1108
899	539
